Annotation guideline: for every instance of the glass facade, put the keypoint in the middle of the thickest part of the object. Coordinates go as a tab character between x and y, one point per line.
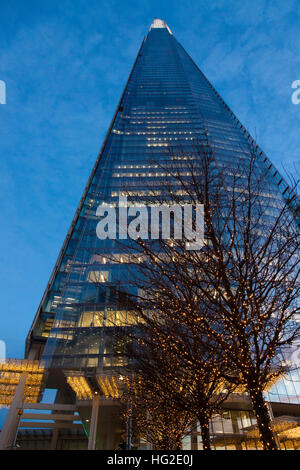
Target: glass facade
167	102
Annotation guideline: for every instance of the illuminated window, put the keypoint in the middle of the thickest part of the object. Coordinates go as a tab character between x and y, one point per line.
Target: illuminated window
98	276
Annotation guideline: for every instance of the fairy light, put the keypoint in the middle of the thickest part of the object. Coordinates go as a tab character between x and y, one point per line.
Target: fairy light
11	372
80	386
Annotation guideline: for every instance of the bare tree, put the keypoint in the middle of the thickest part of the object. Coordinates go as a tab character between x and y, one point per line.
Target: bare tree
242	288
174	370
154	418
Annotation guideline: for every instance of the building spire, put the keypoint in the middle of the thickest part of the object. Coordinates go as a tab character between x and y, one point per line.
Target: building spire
158	23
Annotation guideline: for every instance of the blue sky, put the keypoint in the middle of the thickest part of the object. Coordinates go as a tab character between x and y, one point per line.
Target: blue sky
65	64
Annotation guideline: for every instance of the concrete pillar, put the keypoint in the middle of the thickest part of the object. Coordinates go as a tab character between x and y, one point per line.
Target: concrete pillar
109	436
10	426
54	438
148	444
94	423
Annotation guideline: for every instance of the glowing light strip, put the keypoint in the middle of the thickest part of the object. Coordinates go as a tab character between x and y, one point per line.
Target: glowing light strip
158	23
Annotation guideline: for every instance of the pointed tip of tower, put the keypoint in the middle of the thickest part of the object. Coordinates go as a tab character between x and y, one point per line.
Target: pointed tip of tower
158	23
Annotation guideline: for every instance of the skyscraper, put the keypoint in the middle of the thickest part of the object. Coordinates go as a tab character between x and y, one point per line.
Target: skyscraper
167	102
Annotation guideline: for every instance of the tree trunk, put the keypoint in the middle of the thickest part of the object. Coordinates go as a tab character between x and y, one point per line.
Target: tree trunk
204	424
263	420
178	445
